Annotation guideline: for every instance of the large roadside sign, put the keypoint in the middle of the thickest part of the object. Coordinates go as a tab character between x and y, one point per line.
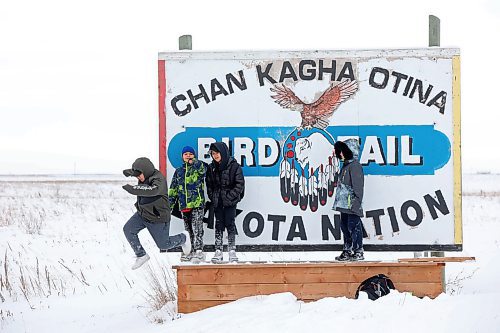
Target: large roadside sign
280	113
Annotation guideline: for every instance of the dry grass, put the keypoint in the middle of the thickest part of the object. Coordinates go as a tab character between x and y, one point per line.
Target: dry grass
4	316
161	293
454	286
162	287
21	280
7	214
40	208
30	219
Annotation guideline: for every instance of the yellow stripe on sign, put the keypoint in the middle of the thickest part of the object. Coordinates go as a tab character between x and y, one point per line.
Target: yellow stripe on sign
457	148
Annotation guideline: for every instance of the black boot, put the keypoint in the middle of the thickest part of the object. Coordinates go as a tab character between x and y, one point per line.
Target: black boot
358	255
344	256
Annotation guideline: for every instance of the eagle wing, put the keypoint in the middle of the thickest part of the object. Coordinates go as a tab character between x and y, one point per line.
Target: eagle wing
324	107
286	98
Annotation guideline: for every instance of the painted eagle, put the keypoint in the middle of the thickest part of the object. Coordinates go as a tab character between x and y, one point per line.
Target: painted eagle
318	113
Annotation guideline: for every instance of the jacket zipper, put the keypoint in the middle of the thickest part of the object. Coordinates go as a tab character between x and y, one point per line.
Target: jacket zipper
185	185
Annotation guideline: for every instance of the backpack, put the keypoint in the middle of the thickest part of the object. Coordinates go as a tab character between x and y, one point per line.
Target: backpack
376	286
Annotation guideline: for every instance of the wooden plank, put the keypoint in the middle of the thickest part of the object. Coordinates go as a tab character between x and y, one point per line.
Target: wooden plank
192	306
420	289
436	259
307	275
233	292
303	265
313	291
457	150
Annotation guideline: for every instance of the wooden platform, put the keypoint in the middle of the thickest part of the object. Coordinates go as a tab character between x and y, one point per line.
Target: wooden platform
438	259
206	285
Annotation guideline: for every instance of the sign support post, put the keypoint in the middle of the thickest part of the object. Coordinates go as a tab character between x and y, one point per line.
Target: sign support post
435	40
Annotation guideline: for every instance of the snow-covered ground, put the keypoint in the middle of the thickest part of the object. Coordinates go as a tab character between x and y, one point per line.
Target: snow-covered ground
65	267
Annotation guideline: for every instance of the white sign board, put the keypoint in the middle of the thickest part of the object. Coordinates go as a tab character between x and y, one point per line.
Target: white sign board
280	113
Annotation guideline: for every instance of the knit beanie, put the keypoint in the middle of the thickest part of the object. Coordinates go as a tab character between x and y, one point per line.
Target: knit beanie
188	149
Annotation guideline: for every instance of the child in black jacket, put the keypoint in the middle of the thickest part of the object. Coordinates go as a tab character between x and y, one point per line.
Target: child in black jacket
225	187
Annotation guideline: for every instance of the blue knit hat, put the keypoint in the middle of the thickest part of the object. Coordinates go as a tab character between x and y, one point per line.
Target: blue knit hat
188	149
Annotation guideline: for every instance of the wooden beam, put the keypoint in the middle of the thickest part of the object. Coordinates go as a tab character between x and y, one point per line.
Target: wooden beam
437	259
192	306
315	291
297	264
231	292
310	275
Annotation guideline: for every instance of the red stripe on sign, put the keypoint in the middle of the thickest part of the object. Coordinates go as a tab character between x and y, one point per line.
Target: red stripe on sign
162	116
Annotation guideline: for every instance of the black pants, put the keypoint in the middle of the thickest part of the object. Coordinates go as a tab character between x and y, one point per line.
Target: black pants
224	219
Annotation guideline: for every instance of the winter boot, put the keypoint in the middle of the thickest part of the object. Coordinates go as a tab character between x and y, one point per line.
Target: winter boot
217	259
232	256
139	261
186	247
186	257
358	255
198	256
344	256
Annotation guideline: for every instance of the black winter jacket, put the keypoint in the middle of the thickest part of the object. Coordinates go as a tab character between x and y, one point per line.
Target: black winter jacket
152	194
225	180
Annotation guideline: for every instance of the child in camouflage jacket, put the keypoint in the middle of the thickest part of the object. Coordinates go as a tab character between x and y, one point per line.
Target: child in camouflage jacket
187	187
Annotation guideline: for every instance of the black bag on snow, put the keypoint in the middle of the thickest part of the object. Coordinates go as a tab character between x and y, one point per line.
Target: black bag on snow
376	286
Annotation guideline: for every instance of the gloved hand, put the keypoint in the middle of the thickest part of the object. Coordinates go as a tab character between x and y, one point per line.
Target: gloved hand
131	173
127	188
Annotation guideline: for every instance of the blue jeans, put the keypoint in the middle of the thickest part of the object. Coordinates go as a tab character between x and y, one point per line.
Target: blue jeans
159	232
352	230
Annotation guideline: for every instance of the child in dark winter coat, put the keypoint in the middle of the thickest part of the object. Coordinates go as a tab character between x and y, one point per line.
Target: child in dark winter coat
348	200
225	187
153	211
187	188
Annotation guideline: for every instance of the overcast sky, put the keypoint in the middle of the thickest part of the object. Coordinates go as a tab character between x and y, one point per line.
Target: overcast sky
78	79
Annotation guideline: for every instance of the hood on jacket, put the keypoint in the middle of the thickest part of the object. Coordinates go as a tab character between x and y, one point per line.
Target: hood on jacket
143	165
349	149
222	148
353	145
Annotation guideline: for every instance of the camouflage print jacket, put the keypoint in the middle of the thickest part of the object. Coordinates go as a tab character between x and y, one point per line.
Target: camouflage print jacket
188	186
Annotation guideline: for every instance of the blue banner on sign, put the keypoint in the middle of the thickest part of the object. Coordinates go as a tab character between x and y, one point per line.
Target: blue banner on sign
385	150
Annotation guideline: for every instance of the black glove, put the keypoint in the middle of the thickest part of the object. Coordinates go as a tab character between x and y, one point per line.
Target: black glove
127	187
131	173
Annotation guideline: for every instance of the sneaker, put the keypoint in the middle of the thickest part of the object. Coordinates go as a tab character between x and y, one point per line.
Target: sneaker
186	247
344	256
186	257
198	256
217	259
139	261
357	256
232	256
